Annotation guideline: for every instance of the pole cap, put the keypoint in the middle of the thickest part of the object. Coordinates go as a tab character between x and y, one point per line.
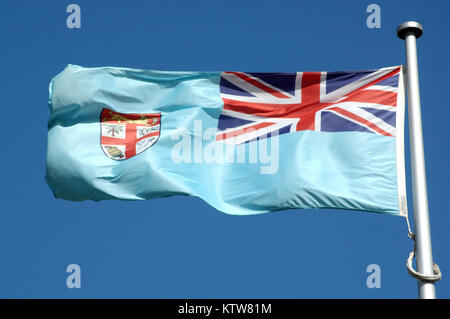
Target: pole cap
409	26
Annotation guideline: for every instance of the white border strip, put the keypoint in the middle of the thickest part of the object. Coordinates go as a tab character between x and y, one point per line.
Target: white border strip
400	146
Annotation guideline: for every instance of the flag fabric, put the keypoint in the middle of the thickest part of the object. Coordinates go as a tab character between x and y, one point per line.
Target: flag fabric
246	143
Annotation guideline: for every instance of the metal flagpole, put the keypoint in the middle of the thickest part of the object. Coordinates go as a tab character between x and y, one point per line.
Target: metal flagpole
410	31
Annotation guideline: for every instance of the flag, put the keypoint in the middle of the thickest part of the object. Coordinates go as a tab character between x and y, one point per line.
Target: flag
244	142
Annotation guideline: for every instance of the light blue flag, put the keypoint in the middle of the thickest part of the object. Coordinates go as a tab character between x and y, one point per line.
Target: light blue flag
246	143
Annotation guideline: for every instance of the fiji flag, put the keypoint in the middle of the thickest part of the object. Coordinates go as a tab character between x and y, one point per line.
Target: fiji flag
246	143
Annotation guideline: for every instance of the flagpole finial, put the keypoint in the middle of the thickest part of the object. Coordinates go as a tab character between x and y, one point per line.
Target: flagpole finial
409	26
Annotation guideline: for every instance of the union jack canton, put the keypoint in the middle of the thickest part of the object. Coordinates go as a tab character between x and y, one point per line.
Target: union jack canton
258	105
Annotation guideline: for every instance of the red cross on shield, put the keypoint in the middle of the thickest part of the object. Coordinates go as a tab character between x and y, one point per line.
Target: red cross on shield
126	135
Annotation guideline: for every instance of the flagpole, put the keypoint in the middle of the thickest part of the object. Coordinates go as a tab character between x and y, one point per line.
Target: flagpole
410	31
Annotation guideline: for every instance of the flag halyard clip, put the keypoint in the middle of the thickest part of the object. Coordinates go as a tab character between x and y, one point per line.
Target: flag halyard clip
409	263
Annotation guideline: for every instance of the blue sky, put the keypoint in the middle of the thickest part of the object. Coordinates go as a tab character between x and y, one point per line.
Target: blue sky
180	247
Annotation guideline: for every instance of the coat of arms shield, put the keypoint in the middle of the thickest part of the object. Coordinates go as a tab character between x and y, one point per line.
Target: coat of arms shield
126	135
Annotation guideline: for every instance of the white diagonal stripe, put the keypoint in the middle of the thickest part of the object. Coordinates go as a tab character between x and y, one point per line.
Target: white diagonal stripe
268	85
377	106
370	118
385	88
337	95
256	133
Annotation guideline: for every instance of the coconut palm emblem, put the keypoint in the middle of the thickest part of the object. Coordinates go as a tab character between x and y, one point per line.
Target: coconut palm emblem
124	135
113	129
